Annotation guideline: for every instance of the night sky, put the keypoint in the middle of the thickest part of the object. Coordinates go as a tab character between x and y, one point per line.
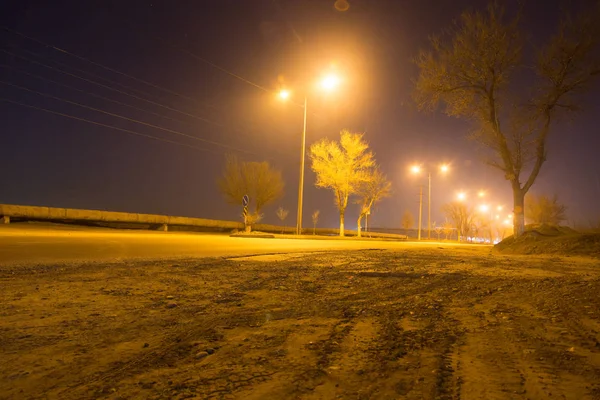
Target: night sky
206	72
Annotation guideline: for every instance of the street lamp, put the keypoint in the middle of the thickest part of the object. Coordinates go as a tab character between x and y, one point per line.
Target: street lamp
328	83
416	169
284	94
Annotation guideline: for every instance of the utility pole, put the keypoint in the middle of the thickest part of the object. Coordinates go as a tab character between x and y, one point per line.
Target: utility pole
429	209
420	209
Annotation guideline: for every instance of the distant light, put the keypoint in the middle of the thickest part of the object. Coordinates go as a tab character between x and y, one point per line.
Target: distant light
497	217
444	168
330	82
284	94
415	169
510	216
484	208
481	193
461	196
499	208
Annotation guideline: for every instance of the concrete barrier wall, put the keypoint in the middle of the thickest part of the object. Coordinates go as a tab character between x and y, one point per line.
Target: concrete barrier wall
70	214
51	213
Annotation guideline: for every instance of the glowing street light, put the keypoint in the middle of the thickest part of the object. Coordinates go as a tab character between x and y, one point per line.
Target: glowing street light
284	94
481	193
484	208
329	82
416	169
461	196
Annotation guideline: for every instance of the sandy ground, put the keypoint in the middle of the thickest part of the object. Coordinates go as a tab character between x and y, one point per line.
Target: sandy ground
421	323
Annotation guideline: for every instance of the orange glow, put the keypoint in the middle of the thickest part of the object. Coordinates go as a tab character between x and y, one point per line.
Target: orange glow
444	168
484	208
481	193
461	196
415	169
342	5
330	82
284	94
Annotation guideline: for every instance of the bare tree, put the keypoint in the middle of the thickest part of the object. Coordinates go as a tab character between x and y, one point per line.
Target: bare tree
474	75
544	209
371	191
481	226
261	182
448	229
407	220
315	220
438	230
342	167
461	216
282	214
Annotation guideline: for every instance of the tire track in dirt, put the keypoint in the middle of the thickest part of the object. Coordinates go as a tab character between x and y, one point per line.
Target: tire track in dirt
427	324
512	352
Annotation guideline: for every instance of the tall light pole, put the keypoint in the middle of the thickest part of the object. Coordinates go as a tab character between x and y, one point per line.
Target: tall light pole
328	83
301	183
416	169
420	210
429	207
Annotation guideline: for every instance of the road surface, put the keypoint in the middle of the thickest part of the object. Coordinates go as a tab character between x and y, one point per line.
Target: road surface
43	243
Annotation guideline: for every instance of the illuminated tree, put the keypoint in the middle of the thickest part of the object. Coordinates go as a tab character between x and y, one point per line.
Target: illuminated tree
371	191
461	216
315	220
407	220
477	72
282	214
342	167
543	209
261	182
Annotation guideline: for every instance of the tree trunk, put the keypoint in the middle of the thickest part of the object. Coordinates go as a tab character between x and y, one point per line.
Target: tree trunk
358	223
341	224
518	211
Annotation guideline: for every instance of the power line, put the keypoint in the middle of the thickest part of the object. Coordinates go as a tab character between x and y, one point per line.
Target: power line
135	78
126	118
103	97
107	68
256	85
141	92
92	94
107	126
112	89
150	83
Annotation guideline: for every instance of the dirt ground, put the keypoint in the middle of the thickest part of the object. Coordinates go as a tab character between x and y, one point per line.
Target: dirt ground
429	323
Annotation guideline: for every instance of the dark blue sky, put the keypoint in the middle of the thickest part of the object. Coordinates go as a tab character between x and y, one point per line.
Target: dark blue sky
53	160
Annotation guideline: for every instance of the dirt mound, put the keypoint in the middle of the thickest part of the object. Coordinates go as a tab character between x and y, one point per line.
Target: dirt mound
545	239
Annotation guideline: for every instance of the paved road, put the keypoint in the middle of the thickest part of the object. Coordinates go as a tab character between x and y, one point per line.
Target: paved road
43	243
